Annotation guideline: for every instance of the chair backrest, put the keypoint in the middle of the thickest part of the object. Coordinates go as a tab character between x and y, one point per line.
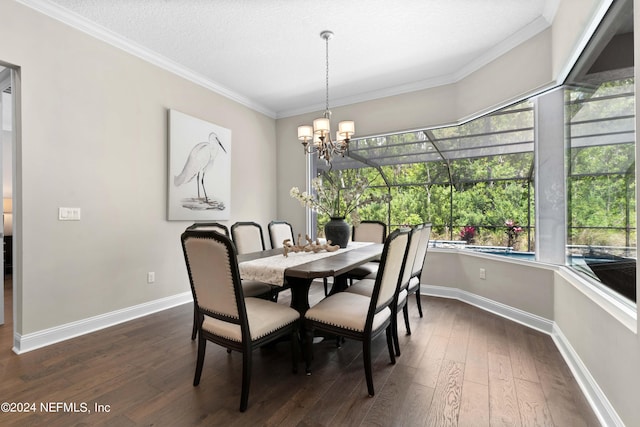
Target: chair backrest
279	231
390	270
213	272
247	237
421	255
369	231
407	268
210	226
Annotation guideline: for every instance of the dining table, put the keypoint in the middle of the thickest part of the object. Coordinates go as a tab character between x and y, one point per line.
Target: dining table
298	270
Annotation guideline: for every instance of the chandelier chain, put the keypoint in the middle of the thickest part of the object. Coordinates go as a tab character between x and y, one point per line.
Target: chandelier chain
327	73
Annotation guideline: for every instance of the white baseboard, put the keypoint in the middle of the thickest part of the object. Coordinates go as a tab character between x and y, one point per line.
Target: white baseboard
592	391
28	342
598	401
527	319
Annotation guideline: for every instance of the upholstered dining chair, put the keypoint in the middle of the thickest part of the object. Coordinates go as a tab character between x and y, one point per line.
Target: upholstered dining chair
210	226
416	272
251	288
279	231
225	316
247	237
365	287
367	231
359	317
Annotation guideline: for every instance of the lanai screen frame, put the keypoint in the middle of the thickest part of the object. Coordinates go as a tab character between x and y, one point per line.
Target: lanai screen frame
475	139
470	141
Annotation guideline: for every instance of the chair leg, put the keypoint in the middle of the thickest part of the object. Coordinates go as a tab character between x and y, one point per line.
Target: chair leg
394	332
326	286
390	345
405	312
202	346
194	331
246	379
418	302
294	350
309	350
366	356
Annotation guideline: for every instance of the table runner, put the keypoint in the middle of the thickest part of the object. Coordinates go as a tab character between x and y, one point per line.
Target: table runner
271	269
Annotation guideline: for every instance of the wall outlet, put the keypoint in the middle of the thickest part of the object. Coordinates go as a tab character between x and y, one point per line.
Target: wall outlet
151	277
483	273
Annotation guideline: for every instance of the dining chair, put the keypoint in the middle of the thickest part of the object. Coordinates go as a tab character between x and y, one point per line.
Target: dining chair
365	287
416	272
358	317
213	226
367	231
247	237
279	231
225	316
251	288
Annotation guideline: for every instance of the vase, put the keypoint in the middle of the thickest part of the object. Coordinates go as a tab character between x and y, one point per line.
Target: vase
338	231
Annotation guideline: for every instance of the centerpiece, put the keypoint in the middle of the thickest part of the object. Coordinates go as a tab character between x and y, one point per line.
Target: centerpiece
337	200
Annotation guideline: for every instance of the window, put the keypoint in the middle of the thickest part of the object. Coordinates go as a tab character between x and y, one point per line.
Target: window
601	182
475	176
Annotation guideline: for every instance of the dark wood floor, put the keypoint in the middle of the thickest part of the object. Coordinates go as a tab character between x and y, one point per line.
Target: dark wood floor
460	367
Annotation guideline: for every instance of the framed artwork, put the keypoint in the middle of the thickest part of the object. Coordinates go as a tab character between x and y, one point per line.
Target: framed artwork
199	169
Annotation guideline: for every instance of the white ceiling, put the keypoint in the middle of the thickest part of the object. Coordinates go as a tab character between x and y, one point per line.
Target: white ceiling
268	54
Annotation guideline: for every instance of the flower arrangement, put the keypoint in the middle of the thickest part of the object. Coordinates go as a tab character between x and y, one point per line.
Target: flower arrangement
468	233
513	231
338	201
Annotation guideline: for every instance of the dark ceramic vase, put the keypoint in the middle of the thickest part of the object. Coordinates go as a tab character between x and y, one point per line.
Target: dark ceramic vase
338	231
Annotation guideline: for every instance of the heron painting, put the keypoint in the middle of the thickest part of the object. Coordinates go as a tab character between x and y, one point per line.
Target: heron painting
199	176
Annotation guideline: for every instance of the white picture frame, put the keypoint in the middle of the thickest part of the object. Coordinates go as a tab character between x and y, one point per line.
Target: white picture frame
199	178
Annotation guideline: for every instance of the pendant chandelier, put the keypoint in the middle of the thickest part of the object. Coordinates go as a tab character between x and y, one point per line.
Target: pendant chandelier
317	138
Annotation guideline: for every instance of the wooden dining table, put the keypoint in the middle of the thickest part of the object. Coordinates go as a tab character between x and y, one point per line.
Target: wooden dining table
336	265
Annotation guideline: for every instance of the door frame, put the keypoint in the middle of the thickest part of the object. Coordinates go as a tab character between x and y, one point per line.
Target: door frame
9	77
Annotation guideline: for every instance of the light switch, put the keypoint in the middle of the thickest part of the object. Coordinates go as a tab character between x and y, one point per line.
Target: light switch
69	214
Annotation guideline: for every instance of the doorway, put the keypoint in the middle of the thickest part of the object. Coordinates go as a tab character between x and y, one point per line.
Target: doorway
7	143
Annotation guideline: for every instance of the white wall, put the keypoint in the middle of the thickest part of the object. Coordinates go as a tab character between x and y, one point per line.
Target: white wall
609	350
522	286
94	136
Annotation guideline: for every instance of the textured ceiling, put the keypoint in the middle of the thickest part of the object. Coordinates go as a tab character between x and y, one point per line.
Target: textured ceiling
269	55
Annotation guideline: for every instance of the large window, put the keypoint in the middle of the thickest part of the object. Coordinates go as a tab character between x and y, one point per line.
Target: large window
472	182
601	181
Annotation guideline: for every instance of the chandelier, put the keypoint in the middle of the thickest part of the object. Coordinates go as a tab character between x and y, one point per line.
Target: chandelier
317	138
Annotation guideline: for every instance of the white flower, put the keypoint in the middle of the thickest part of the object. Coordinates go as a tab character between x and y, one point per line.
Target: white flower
338	200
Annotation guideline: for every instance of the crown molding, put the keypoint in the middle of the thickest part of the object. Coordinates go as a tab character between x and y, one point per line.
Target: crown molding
97	31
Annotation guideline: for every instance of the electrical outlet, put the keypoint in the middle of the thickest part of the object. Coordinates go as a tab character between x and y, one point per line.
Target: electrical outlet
483	273
151	277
